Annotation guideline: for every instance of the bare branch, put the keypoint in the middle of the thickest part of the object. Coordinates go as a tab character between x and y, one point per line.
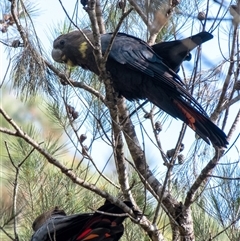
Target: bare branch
15	187
140	12
99	16
230	103
217	110
65	79
234	126
225	178
203	177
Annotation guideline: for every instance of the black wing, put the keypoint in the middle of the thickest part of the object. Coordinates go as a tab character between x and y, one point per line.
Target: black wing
61	228
103	226
148	69
81	227
138	72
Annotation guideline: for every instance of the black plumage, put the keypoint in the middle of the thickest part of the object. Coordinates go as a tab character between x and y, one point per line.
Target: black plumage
173	53
139	71
56	225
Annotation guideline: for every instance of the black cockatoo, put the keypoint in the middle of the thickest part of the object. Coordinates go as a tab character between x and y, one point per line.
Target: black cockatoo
139	71
56	225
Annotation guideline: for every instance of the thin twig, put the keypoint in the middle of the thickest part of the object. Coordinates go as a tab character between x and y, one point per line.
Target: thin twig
115	34
203	177
15	187
7	234
222	97
86	154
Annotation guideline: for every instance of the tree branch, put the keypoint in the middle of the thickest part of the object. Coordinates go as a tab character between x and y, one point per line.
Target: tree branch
77	84
217	110
203	177
70	174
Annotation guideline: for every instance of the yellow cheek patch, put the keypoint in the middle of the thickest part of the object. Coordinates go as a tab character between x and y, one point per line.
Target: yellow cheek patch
69	63
82	49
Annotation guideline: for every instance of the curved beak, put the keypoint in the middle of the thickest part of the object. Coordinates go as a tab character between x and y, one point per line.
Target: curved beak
57	55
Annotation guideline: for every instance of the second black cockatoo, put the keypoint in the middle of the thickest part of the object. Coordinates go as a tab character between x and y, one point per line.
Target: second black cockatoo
56	225
139	71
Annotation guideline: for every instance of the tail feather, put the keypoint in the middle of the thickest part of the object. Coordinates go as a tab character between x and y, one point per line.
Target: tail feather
177	102
173	53
201	124
179	108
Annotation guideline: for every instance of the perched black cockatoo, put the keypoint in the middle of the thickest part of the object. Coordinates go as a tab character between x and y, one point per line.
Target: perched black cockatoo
56	225
139	72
